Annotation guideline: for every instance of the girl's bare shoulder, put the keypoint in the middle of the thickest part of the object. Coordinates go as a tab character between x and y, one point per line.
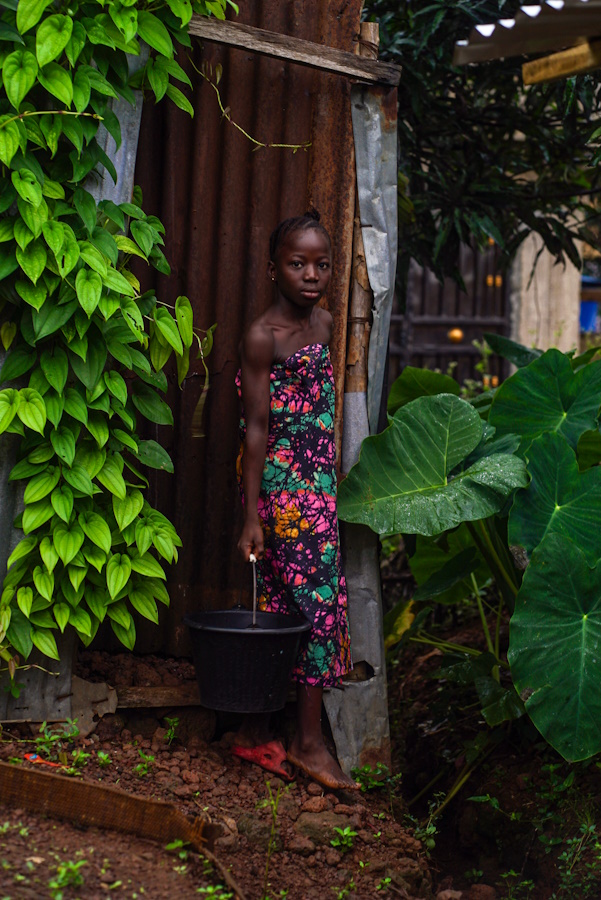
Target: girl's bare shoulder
326	321
258	344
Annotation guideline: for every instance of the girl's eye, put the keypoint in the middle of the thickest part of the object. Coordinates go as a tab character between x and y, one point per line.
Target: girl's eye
324	265
296	264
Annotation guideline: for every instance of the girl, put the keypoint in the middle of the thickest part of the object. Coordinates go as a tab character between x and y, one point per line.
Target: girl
287	469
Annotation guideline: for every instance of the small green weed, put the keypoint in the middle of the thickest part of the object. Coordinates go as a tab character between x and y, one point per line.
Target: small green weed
178	846
517	887
145	766
67	875
345	839
384	884
216	891
172	726
53	738
473	875
344	892
104	759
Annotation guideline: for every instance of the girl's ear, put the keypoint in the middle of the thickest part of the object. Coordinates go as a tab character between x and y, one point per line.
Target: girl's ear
271	270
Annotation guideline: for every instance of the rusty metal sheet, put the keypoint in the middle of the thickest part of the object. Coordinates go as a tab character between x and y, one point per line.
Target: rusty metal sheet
219	198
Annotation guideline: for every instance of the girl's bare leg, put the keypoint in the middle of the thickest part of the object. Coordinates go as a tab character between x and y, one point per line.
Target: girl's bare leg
308	750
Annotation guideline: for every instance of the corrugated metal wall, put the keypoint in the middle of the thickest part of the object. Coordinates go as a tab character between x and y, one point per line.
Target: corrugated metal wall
219	199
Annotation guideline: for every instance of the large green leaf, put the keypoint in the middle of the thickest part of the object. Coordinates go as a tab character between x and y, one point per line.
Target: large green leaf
511	350
29	13
548	396
118	571
152	30
32	410
96	529
555	647
52	37
413	383
433	560
67	540
559	499
18	74
401	482
88	285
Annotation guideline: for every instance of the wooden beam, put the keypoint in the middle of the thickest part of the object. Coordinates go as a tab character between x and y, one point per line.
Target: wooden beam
185	694
575	61
306	53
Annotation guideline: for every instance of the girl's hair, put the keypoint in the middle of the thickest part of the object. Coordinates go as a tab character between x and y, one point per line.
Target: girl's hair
310	219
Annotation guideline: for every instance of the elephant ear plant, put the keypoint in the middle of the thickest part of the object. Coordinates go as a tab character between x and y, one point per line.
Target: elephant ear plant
86	349
518	481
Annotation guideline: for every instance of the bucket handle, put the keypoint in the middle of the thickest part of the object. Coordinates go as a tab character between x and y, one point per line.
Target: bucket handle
253	559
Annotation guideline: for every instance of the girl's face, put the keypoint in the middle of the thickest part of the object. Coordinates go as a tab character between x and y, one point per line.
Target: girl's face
302	267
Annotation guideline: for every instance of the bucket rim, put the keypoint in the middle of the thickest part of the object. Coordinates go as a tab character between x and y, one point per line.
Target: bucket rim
302	624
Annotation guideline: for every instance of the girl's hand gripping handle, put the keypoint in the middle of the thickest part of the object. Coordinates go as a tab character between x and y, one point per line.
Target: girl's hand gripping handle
251	541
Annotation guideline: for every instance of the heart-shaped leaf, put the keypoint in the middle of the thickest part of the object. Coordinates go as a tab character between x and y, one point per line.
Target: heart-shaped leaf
110	476
52	37
62	502
44	640
61	614
118	571
41	485
547	396
18	75
126	509
44	582
48	553
67	540
32	410
401	482
413	383
96	529
558	500
555	647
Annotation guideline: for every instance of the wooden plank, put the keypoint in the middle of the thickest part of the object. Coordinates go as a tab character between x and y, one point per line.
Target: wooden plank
575	61
306	53
185	694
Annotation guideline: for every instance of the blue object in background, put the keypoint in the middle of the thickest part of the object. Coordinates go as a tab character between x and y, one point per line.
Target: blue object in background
588	315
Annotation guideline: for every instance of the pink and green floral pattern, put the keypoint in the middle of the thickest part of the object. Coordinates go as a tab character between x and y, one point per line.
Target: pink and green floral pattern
301	570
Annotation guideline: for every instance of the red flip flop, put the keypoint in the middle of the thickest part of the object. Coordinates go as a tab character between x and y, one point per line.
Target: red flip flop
270	757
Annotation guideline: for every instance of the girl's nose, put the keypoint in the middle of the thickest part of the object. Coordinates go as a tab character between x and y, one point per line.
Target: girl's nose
311	273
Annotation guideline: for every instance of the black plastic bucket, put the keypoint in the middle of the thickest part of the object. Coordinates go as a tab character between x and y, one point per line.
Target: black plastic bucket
241	668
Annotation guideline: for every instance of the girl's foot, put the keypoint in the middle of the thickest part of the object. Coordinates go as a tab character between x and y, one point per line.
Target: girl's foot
320	765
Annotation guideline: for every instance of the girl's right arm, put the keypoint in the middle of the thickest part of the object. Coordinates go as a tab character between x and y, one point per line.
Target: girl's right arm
257	358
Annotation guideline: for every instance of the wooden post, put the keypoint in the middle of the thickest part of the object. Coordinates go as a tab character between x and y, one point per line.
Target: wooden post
361	300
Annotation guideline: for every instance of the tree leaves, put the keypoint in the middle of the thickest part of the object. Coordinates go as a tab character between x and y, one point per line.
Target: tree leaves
473	136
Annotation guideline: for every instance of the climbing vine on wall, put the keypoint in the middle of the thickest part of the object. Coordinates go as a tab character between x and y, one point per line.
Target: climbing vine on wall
86	349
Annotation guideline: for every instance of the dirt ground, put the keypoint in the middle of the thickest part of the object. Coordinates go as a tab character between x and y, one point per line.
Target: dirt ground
522	827
277	839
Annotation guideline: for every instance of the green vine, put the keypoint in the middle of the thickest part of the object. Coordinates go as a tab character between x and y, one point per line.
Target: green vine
86	349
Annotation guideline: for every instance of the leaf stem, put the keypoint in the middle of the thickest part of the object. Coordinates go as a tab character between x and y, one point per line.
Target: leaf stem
489	643
226	115
49	112
487	549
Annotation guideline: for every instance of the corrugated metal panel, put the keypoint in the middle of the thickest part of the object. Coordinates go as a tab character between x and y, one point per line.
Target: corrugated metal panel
219	199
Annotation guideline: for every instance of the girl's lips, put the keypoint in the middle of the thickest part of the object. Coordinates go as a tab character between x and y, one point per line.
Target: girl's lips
311	294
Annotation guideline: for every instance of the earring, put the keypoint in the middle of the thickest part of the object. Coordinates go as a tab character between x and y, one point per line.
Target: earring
273	277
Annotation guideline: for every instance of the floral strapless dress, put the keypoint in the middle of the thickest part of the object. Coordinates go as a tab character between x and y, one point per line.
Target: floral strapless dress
297	506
